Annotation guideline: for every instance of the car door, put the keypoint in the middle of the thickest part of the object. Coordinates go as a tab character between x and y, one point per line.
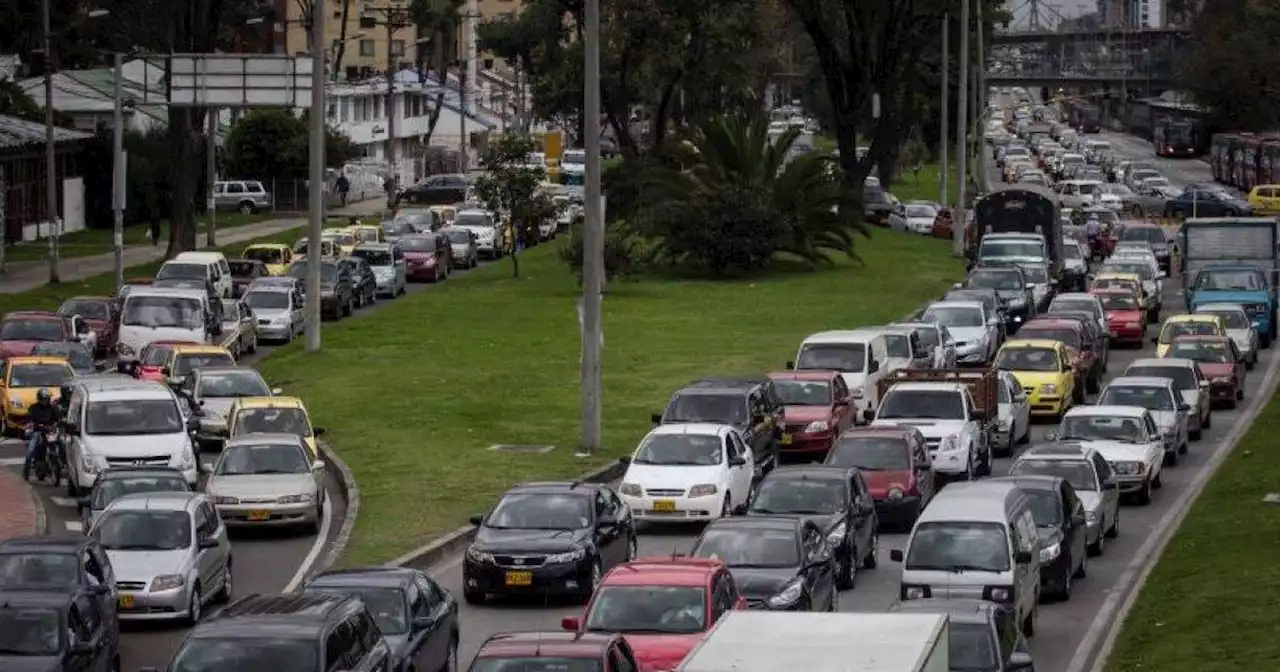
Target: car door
97	568
248	325
1109	489
1202	384
423	648
948	345
444	613
1074	511
1237	359
740	468
222	556
91	659
759	434
820	574
206	559
297	309
862	509
608	533
1155	442
921	466
842	411
401	266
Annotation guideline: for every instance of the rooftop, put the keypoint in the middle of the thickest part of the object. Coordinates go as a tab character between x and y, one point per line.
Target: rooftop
15	132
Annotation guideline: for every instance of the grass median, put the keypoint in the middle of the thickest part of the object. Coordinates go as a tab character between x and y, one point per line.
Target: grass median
90	242
414	396
1209	604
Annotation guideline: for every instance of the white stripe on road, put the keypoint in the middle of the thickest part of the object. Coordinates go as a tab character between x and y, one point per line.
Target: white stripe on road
316	548
65	502
12	461
74	526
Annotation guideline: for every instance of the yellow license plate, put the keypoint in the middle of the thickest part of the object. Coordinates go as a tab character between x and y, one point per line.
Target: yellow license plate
664	505
519	578
126	601
259	515
786	439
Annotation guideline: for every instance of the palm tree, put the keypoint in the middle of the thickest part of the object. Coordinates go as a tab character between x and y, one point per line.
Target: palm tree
735	195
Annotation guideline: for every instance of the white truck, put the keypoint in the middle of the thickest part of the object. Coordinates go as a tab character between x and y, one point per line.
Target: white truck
763	641
954	409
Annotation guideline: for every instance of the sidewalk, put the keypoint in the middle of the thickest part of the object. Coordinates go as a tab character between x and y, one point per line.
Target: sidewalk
18	515
29	275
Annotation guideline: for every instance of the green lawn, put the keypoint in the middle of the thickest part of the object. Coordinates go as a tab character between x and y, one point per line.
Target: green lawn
90	242
413	396
1210	603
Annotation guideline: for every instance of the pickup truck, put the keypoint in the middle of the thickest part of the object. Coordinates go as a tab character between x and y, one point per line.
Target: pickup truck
1233	260
956	410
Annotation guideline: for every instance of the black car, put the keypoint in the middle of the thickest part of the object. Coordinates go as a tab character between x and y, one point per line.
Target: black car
1206	201
243	273
984	635
56	630
63	563
780	563
437	190
750	405
77	355
548	538
117	482
877	206
417	618
336	296
364	282
837	500
1060	522
1010	286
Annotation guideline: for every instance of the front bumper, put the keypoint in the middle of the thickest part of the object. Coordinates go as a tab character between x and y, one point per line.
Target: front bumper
801	445
1131	482
162	605
417	272
268	515
675	509
952	463
275	331
1222	392
975	355
1043	404
898	512
85	479
558	579
1124	333
1055	573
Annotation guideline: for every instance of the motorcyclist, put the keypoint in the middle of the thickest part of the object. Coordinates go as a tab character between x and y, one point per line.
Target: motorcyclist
1093	231
42	415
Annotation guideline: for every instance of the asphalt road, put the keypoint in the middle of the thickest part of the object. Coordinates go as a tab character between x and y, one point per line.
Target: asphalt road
1061	627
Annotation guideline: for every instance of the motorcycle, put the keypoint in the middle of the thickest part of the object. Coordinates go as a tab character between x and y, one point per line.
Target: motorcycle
48	462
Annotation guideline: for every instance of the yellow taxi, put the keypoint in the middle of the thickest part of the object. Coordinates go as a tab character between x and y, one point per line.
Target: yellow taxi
342	238
328	249
1131	282
185	358
21	378
272	415
1196	324
1043	369
1265	199
275	256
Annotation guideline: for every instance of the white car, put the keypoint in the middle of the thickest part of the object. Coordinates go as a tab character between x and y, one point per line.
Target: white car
688	472
1127	437
1014	423
914	218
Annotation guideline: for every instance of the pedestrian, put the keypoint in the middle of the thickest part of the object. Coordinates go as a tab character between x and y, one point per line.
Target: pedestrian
154	231
343	185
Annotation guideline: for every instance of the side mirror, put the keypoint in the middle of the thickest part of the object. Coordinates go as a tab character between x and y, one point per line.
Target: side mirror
868	415
570	623
318	431
1204	384
737	462
193	424
1022	557
318	465
206	468
791	366
1051	436
1184	407
477	520
976	415
421	623
1111	484
1155	339
656	418
1019	661
276	391
208	542
71	428
123	366
895	555
99	366
166	371
873	367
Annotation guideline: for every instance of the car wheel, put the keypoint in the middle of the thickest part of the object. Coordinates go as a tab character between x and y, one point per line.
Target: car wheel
1158	481
1065	593
597	573
253	345
1207	423
1182	450
451	661
633	548
847	570
1114	530
228	587
246	208
872	558
194	606
1144	495
1029	624
1171	459
1195	434
473	596
1099	545
1083	570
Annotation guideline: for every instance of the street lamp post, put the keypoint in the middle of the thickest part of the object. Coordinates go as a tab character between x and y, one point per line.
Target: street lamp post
315	191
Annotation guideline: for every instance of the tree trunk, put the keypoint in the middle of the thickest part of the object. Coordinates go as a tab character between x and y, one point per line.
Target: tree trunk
341	47
184	145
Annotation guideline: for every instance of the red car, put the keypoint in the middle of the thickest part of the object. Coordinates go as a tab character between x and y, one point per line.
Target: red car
21	330
152	360
554	651
662	606
816	408
895	463
100	313
427	256
1219	360
1126	319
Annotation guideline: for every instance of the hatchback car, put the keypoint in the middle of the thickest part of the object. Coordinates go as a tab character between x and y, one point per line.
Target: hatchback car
780	563
895	466
688	472
117	482
1089	474
268	480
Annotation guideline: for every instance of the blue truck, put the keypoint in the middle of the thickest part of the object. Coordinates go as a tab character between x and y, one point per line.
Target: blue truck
1233	260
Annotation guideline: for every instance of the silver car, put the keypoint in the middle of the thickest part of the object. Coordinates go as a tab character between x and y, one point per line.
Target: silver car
388	264
935	338
1162	401
170	553
212	390
1240	328
466	253
113	484
1093	479
268	480
976	333
1192	386
280	311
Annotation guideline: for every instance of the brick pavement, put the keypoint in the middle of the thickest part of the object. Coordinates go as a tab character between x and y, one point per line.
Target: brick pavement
18	514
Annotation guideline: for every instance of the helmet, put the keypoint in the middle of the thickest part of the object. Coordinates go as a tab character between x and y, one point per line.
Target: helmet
43	395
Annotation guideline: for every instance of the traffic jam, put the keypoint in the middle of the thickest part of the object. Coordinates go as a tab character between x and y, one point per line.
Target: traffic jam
746	519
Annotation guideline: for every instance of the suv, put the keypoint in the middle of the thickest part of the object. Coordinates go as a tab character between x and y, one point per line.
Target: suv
752	406
304	627
1092	477
246	197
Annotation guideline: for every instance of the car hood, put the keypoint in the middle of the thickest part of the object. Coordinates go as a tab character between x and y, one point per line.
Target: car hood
672	477
1192	397
932	429
216	408
1227	296
30	663
95	323
412	256
13	348
879	483
523	541
145	565
259	486
967	334
1124	315
270	313
460	249
1166	420
1011	294
1116	451
1037	378
761	583
1216	369
798	414
660	652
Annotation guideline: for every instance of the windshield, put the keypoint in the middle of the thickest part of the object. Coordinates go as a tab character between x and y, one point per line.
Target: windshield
19	329
30	631
959	546
158	312
77	354
800	496
541	511
246	653
471	219
224	384
1209	352
1149	397
272	420
870	453
156	355
1027	359
1067	305
1172	330
1046	510
267	300
843	357
803	392
970	646
539	664
1011	248
190	361
1229	280
1117	283
1140	269
458	236
1156	182
921	405
1123	192
328	272
716	408
386	605
920	211
133	416
374	257
398	228
750	547
994	279
110	489
681	449
1101	428
418	244
242	269
648	609
267	255
178	271
1035	274
39	569
949	316
1072	251
40	375
1064	335
137	530
90	310
1234	319
1120	302
1143	234
1076	472
263	458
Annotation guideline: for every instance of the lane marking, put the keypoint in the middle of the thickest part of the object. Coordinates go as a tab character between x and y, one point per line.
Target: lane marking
75	526
12	461
322	538
65	502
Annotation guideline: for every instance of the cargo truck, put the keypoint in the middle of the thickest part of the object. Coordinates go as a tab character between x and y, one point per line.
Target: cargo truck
1024	209
1233	260
762	641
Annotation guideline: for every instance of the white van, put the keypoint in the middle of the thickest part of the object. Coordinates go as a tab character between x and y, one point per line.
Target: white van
975	540
150	314
859	355
217	271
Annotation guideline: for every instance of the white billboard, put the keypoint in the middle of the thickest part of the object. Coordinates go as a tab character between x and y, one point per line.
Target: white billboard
239	80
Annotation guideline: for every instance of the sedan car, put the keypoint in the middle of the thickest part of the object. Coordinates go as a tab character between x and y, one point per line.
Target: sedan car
78	355
390	268
779	563
1239	327
170	554
364	284
1162	401
913	218
1126	318
1127	437
213	390
268	480
1013	422
100	313
976	331
117	482
1219	360
337	300
280	311
239	328
1189	382
688	472
1206	201
816	409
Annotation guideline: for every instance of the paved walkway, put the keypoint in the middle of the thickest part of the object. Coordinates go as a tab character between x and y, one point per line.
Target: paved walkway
26	276
17	510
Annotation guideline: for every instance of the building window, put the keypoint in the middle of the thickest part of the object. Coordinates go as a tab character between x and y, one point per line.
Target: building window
397	47
366	48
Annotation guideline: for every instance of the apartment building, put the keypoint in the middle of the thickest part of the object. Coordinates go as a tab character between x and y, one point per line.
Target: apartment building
369	47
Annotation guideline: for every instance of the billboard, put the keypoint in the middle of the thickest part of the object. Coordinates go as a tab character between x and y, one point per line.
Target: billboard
239	80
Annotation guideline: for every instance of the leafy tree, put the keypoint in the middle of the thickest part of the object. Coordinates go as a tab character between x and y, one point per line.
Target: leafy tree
622	249
15	102
438	22
734	201
276	143
511	188
1232	64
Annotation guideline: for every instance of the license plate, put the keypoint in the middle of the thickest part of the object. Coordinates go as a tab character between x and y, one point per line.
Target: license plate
786	439
126	601
259	515
664	505
519	578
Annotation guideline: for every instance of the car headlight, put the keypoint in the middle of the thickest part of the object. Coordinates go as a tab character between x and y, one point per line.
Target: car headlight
564	558
703	489
280	320
167	582
1048	553
90	463
479	556
789	595
184	460
856	394
836	536
949	444
225	501
16	403
817	426
631	489
1048	388
916	592
998	594
124	350
895	493
296	499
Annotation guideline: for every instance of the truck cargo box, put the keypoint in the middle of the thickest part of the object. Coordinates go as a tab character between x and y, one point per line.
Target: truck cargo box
983	384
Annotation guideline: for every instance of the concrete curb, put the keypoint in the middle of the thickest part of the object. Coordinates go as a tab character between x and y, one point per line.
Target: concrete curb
459	538
41	526
351	492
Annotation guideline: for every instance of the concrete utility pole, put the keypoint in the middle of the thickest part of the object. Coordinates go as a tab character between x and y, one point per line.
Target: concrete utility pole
593	241
962	135
944	79
315	191
464	163
211	167
51	154
118	168
980	164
